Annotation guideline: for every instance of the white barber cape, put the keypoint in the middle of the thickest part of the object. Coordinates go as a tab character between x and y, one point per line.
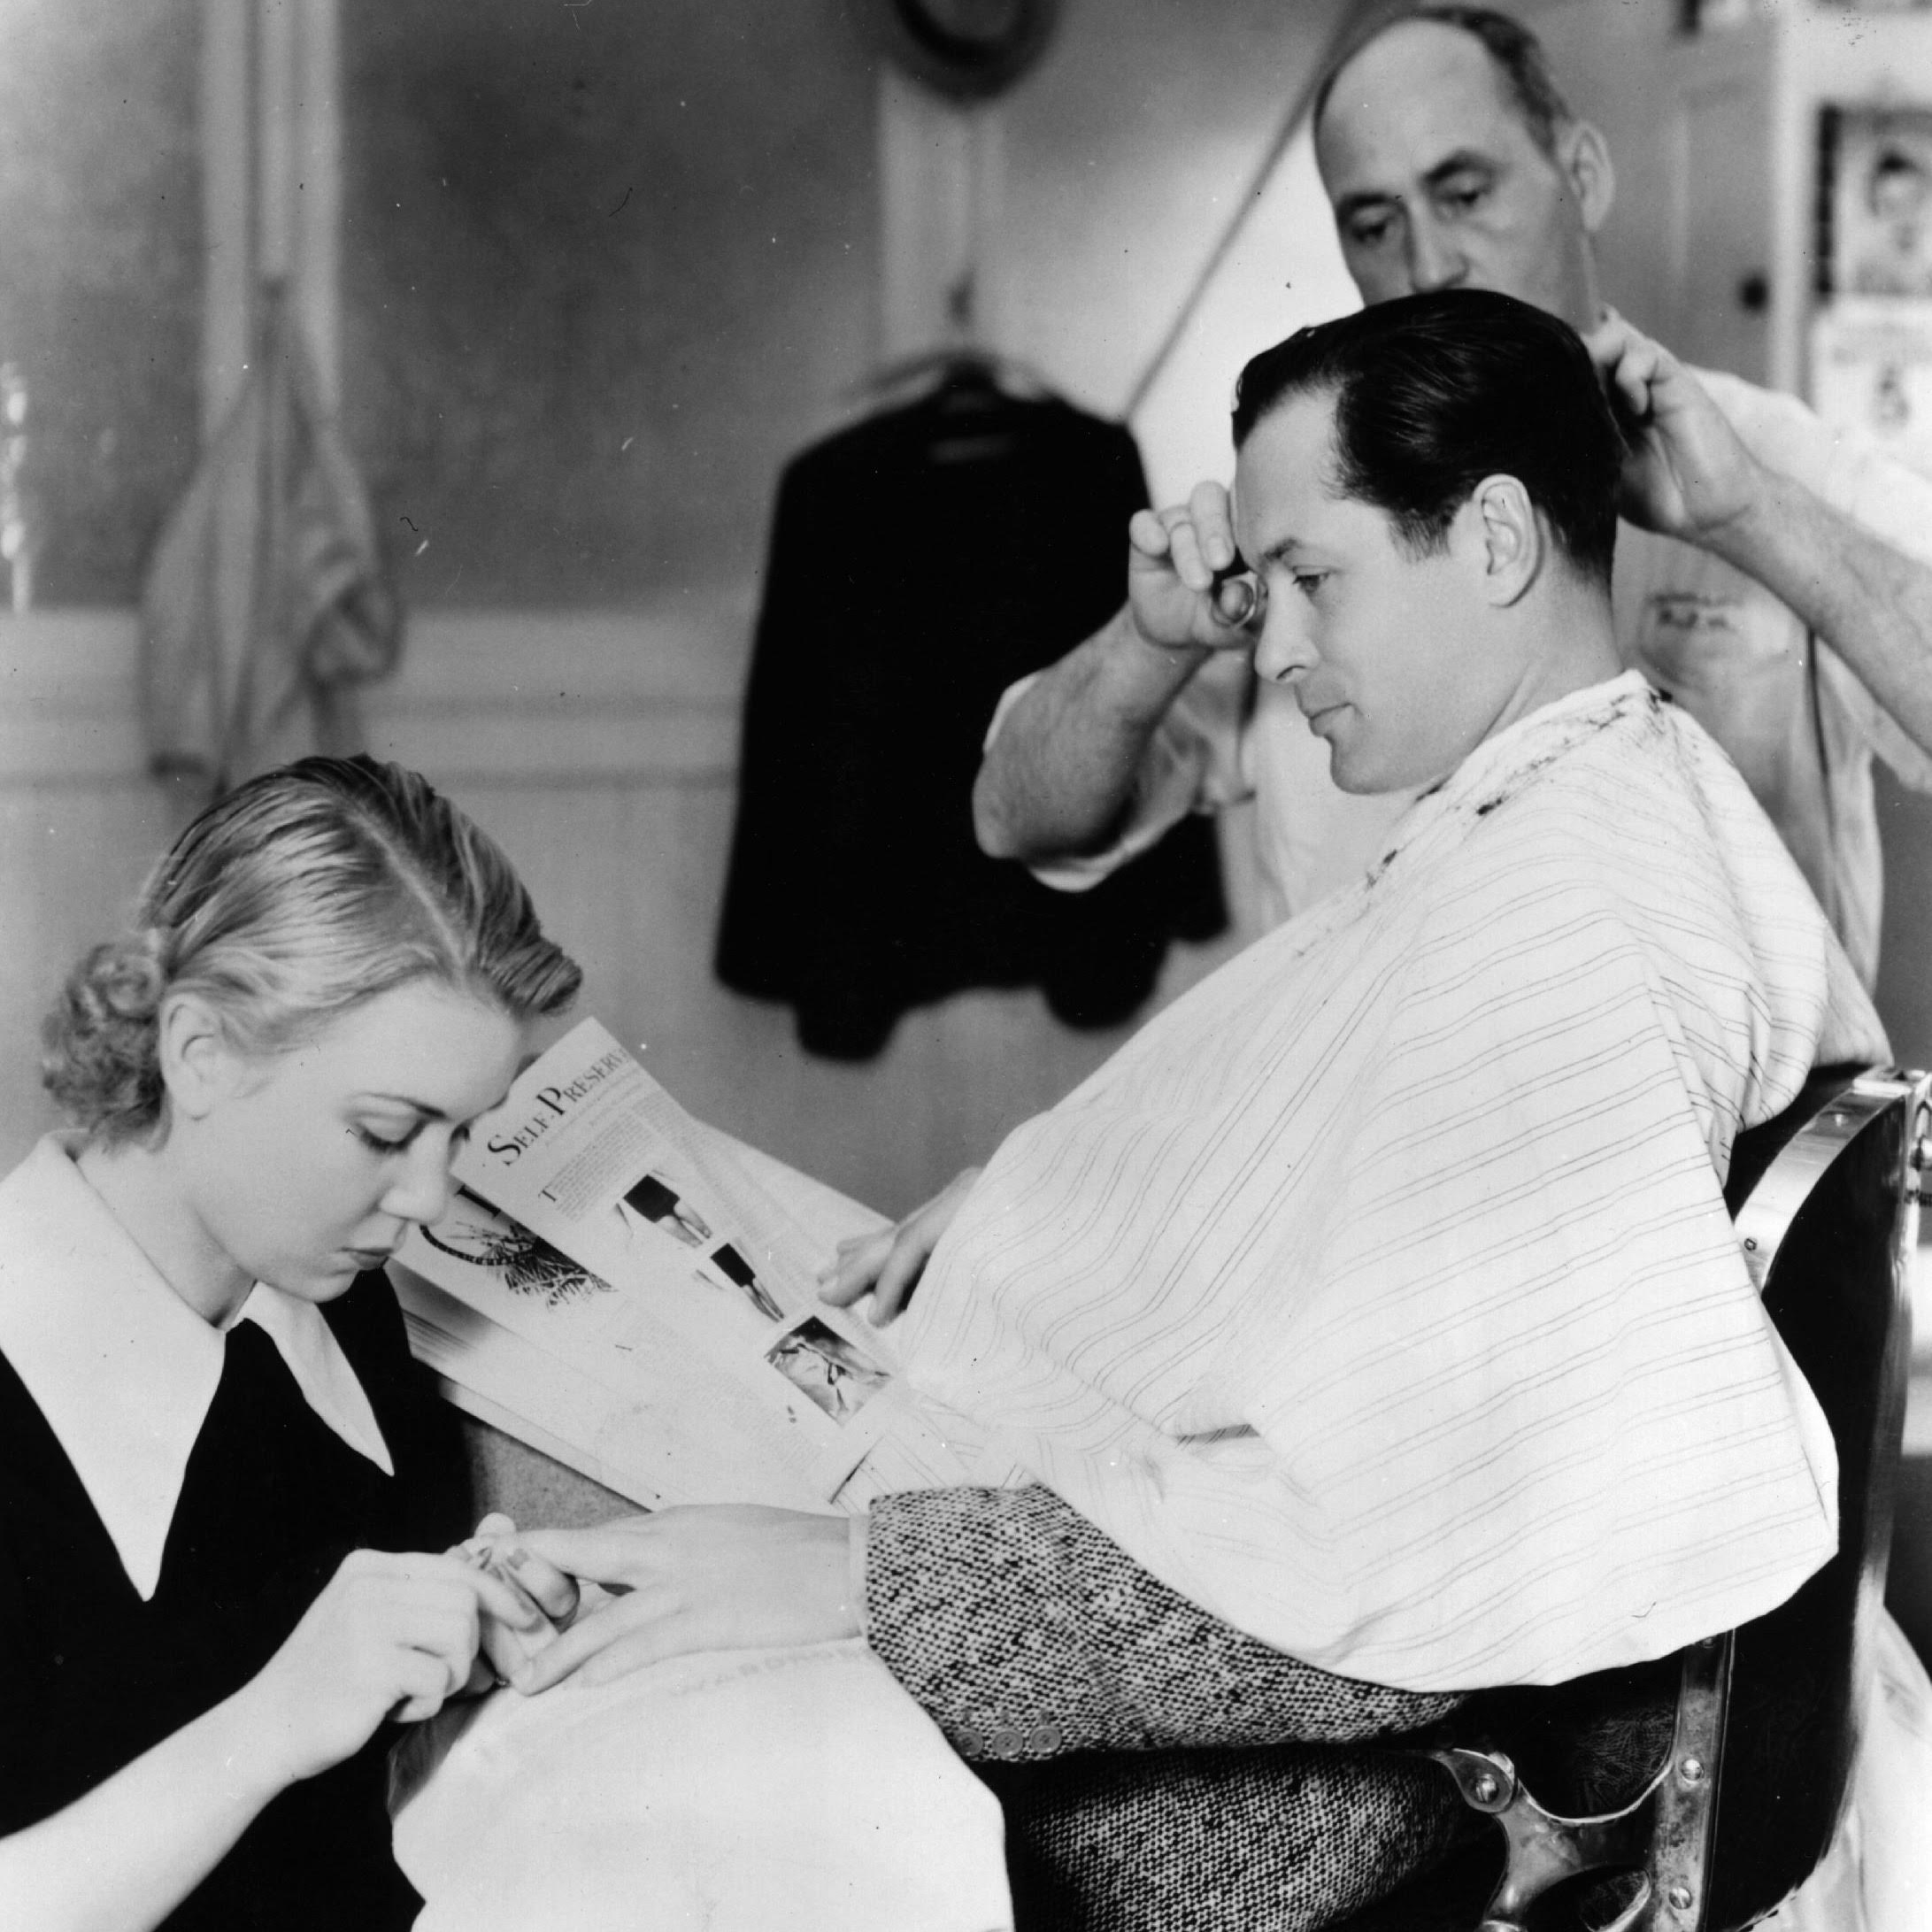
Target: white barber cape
1380	1295
121	1368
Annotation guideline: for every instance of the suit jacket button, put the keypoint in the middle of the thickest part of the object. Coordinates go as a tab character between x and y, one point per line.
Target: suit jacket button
967	1743
1004	1743
1045	1739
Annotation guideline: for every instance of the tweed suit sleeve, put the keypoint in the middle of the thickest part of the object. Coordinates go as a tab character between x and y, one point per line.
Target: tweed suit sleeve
1026	1633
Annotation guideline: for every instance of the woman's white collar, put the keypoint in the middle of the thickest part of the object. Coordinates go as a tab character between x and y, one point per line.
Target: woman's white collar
123	1370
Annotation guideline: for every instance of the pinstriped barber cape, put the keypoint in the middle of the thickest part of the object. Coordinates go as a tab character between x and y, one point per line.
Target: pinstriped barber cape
1380	1295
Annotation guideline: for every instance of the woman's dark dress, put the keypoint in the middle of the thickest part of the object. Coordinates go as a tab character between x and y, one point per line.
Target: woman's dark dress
271	1502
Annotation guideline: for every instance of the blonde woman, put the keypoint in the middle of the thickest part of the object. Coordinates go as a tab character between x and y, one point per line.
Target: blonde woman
221	1472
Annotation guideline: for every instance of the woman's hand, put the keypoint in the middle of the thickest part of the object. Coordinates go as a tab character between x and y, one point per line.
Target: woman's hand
389	1633
890	1262
705	1578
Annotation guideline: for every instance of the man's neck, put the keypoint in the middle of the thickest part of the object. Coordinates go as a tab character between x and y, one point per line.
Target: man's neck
1572	645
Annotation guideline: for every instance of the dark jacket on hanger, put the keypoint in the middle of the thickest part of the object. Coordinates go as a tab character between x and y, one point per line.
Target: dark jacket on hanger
920	561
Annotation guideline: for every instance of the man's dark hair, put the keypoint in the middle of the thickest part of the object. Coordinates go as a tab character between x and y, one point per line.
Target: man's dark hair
1435	392
1517	53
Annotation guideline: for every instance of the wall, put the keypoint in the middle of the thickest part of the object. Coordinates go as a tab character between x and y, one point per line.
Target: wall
584	707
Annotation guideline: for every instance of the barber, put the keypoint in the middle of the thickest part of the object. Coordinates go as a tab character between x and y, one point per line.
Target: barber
1776	582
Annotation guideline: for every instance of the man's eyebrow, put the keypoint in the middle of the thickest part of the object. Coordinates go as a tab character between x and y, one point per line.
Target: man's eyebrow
1361	201
1461	162
1280	550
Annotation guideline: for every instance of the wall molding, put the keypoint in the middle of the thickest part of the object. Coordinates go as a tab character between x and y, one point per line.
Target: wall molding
537	696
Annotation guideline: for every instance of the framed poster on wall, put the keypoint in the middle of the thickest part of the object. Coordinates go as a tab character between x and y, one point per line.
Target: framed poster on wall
1875	201
1872	372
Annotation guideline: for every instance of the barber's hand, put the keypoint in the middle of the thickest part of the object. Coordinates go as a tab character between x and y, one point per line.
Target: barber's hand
388	1636
715	1577
890	1262
1687	474
1176	597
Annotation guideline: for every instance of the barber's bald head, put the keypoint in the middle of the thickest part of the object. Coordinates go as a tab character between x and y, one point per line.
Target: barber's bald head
1452	161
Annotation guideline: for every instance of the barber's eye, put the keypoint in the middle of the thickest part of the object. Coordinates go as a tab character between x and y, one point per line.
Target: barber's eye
1309	581
1371	232
376	1144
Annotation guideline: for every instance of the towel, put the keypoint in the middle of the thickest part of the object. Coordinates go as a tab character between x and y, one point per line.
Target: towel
266	604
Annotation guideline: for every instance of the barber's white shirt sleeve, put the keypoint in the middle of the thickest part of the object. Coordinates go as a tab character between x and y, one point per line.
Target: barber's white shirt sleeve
1852	472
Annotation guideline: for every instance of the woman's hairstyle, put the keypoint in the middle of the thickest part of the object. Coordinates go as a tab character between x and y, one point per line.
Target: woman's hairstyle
1435	392
301	895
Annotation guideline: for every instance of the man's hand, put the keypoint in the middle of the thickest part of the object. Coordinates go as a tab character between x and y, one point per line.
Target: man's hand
1687	474
708	1578
1178	598
890	1262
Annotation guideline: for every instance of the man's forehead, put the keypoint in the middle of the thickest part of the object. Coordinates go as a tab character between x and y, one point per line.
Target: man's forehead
1282	474
1413	97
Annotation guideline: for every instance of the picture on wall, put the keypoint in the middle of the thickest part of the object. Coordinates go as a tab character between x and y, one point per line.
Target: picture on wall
1875	201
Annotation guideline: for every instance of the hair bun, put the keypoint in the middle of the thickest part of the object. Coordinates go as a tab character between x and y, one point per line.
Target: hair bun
99	1061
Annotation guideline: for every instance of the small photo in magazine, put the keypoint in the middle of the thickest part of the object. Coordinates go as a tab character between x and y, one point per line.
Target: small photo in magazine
654	1199
825	1366
524	1263
734	1266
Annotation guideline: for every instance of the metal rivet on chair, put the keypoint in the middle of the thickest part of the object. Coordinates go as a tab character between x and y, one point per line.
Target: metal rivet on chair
1751	1245
1486	1788
1691	1771
1680	1898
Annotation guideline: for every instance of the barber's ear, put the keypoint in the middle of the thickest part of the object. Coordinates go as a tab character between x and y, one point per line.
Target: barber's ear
1583	155
199	1064
1505	540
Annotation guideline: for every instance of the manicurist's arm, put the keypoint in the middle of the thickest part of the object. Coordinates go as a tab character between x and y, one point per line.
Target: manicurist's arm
388	1633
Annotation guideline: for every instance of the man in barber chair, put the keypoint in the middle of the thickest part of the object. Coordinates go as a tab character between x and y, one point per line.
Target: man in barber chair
1774	576
1373	1322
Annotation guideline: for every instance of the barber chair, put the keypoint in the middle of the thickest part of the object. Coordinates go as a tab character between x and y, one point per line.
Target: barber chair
1762	1721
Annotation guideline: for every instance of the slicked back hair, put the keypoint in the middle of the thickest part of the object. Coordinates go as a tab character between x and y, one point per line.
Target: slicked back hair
1516	52
1435	392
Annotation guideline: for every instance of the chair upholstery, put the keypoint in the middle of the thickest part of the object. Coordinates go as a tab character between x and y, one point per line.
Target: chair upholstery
1764	1720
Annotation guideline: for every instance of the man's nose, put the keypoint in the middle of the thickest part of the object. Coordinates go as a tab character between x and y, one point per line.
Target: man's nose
1436	261
1282	651
422	1191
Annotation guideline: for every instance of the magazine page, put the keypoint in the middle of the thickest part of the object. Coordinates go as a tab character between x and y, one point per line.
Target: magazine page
676	1270
647	1441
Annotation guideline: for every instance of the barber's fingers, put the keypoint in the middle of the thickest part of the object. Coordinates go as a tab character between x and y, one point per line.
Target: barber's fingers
1211	513
1629	361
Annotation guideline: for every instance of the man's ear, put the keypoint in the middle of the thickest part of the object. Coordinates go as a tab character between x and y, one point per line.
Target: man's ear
1502	539
1583	155
199	1064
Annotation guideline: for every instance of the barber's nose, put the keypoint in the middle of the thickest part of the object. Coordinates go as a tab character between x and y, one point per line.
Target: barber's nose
1282	651
1435	259
422	1191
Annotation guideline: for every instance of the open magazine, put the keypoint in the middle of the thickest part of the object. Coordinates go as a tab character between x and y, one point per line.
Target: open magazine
636	1294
